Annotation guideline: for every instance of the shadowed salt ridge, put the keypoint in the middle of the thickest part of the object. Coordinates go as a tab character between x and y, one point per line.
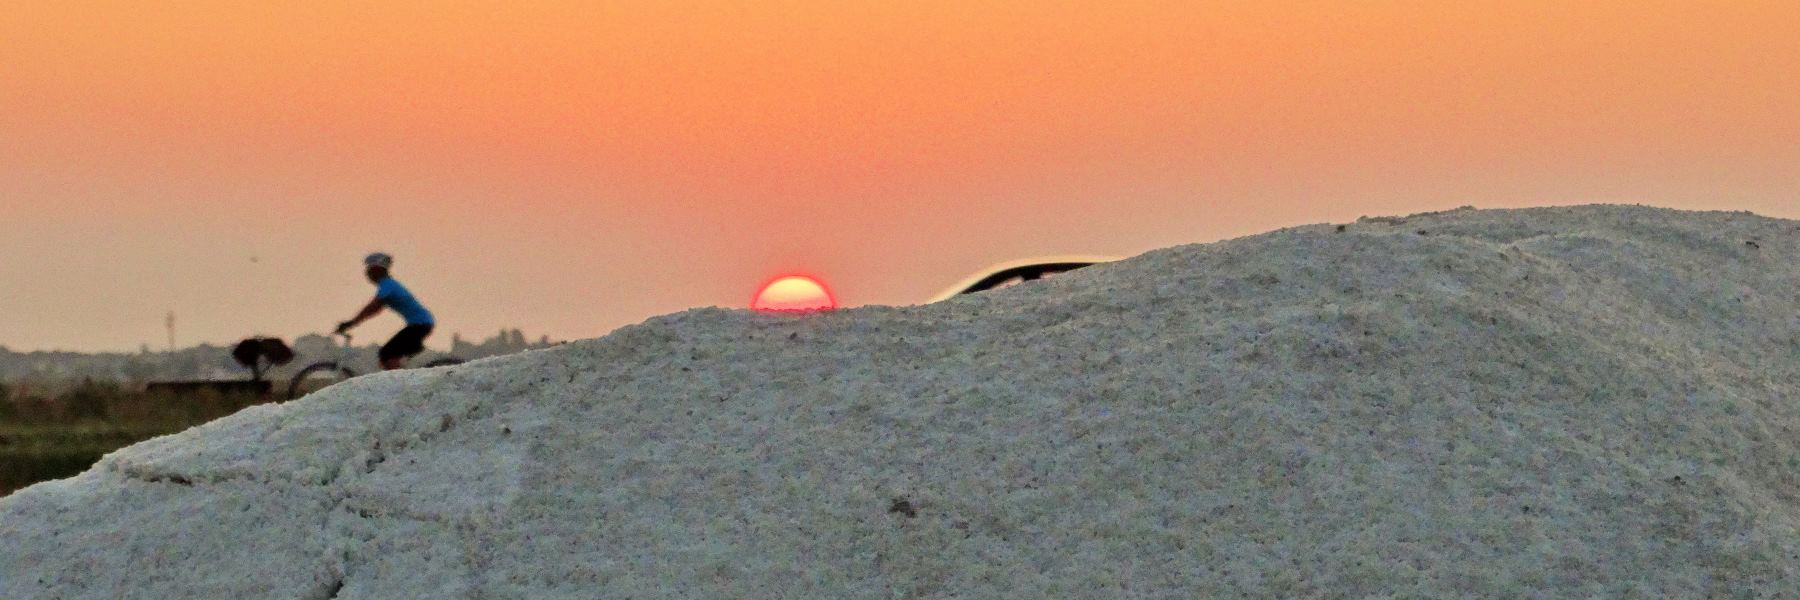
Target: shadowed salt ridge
1566	401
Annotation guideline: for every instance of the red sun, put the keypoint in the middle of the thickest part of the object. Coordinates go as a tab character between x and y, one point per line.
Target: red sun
794	293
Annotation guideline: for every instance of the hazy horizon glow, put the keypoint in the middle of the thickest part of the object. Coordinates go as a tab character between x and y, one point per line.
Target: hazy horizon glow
570	167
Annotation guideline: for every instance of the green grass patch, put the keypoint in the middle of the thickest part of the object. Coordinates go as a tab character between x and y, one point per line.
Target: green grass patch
45	437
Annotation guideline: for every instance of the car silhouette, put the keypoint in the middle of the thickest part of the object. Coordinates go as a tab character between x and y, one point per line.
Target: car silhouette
1016	272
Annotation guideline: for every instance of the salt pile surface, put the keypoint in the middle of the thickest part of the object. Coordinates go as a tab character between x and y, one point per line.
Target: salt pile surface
1568	401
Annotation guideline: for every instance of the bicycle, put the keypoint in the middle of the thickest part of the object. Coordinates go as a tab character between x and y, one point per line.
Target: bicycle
335	371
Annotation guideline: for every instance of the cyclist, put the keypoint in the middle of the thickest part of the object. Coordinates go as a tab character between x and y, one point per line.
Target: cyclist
410	341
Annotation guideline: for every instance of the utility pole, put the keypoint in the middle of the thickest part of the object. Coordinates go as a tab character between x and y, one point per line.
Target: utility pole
170	323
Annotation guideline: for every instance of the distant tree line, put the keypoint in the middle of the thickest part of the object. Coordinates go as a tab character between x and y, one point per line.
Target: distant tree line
57	371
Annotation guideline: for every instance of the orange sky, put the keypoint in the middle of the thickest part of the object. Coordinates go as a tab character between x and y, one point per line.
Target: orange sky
569	168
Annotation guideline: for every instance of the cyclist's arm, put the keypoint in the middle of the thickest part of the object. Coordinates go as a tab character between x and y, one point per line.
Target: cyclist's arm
374	308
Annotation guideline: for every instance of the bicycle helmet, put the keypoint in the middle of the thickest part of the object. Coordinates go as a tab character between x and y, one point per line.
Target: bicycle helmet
378	259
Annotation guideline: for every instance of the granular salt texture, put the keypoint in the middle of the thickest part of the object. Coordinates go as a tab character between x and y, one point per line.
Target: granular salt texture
1545	402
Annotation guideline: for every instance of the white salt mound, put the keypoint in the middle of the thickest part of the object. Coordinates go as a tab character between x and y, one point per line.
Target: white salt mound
1548	402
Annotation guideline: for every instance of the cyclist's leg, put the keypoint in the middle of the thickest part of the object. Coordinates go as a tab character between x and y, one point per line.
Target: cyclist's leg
409	342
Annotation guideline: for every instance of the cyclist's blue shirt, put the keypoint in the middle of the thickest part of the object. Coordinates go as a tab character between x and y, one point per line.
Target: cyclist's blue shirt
396	297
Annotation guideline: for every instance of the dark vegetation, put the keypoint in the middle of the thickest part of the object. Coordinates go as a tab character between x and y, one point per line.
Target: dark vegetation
48	434
61	411
56	371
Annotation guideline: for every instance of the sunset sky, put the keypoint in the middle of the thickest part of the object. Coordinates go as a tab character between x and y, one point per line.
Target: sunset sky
571	167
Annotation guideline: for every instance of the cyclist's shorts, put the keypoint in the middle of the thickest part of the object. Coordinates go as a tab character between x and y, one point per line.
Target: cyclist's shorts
409	342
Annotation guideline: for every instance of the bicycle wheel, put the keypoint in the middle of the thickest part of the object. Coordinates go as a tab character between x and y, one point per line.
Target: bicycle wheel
445	362
317	376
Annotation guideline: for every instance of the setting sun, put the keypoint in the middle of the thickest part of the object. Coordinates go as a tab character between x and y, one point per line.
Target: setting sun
794	293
